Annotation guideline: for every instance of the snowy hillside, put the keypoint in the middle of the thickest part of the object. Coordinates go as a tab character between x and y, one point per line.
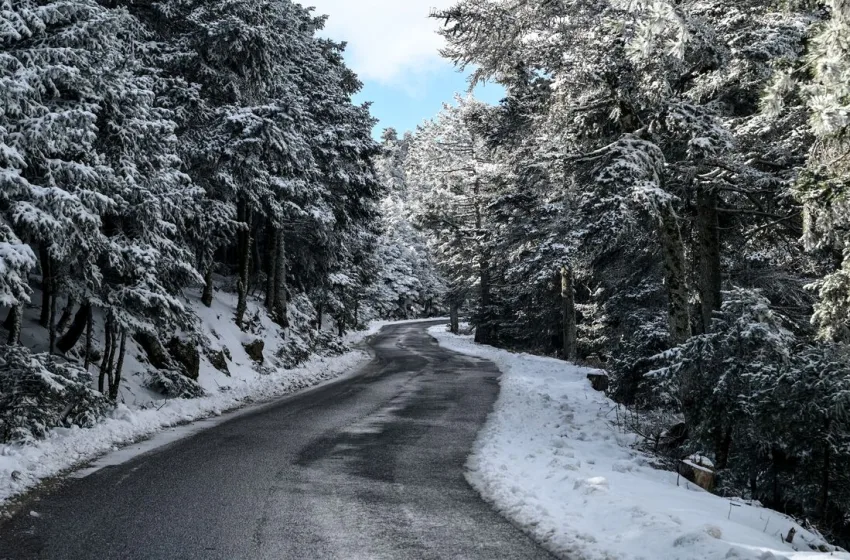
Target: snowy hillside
551	459
142	412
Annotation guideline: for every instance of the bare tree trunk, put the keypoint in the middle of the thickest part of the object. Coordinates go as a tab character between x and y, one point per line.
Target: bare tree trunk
116	382
89	335
484	330
823	501
723	446
75	331
106	363
340	325
10	319
244	265
710	277
281	309
67	314
46	285
569	314
16	317
256	263
52	324
207	296
319	312
454	325
675	278
271	266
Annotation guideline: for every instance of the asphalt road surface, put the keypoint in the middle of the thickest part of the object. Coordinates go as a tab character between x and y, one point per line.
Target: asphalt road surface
370	467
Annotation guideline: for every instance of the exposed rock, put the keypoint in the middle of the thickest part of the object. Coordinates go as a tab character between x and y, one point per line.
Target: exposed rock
255	350
700	471
599	380
186	354
218	359
174	384
156	353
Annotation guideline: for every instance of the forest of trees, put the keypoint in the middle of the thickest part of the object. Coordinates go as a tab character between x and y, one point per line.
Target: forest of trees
152	149
663	193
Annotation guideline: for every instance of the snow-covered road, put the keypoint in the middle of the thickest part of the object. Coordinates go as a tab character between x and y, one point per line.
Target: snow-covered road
371	466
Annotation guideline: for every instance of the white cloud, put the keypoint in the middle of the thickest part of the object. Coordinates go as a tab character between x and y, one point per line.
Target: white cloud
390	41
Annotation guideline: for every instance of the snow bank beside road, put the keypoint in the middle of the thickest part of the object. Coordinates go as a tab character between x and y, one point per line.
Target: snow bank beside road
22	466
550	460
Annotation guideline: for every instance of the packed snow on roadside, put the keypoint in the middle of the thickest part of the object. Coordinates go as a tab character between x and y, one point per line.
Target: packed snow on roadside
143	413
551	459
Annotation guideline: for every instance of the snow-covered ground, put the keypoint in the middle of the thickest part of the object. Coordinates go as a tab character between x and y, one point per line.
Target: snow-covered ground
551	459
144	413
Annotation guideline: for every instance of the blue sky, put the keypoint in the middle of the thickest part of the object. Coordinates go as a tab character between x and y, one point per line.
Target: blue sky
403	108
393	46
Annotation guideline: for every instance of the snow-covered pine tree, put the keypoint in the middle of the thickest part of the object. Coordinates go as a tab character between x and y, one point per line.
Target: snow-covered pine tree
451	174
818	82
408	284
53	56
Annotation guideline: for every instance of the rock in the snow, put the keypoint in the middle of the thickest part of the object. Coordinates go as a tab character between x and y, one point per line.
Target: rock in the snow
218	359
255	350
699	470
599	380
186	354
154	350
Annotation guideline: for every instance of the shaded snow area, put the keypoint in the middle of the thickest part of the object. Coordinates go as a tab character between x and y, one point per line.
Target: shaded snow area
551	459
143	413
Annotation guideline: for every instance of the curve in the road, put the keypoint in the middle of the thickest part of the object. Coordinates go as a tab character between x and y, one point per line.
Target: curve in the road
371	467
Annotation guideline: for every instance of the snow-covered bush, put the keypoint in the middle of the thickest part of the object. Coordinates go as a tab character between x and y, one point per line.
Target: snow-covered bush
744	353
39	392
645	337
773	409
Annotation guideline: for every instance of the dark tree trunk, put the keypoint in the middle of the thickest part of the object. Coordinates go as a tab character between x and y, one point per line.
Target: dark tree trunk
16	317
271	266
46	286
675	278
67	314
723	445
319	312
106	362
281	309
116	382
75	331
340	325
9	321
823	501
454	325
244	264
484	330
52	324
710	277
207	296
256	264
569	314
89	335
